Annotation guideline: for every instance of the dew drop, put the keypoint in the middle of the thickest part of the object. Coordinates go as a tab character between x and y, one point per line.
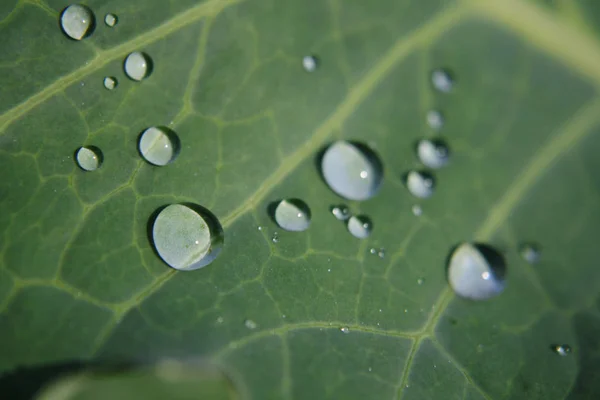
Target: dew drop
352	170
275	237
138	66
292	215
561	349
220	320
530	252
345	329
250	324
370	369
381	253
159	145
77	21
420	281
417	210
433	153
476	271
442	81
110	20
373	250
89	158
187	237
310	63
110	82
435	119
420	184
341	212
260	228
360	226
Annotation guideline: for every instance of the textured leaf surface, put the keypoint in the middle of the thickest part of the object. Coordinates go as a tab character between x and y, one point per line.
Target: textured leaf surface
79	280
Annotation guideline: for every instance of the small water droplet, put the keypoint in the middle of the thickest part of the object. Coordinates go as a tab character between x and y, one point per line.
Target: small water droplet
561	349
417	210
370	369
345	329
341	212
530	252
220	320
250	324
283	316
352	170
275	237
329	270
110	82
476	271
420	281
381	253
89	158
110	20
433	153
442	80
360	226
373	250
187	237
159	145
310	63
435	119
292	215
405	311
77	21
420	184
138	66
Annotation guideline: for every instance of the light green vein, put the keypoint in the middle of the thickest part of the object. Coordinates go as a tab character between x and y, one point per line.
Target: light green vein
103	57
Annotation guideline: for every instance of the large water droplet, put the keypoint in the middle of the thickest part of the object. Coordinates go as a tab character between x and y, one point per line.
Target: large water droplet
110	82
561	349
77	21
476	271
420	184
442	80
530	252
110	20
435	119
360	226
187	237
89	158
341	212
433	153
138	65
159	145
292	215
310	63
352	170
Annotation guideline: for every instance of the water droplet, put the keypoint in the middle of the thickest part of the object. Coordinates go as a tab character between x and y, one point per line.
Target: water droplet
345	329
250	324
341	212
441	80
187	237
370	369
417	210
110	82
476	271
381	253
292	215
435	119
110	20
352	170
561	349
420	281
220	320
420	184
89	158
360	226
77	21
310	63
260	228
138	66
275	237
373	250
159	145
433	153
530	252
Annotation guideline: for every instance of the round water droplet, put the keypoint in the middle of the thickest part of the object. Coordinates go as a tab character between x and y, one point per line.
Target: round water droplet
420	281
310	63
250	324
89	158
352	170
417	210
420	184
360	226
275	237
345	329
110	20
341	212
442	80
292	215
435	119
187	237
561	349
159	145
138	66
77	21
530	252
110	82
476	271
433	153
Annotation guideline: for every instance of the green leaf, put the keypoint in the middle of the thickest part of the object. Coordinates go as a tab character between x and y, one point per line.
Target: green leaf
79	279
